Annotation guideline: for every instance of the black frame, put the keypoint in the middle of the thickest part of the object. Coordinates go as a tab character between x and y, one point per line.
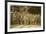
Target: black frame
25	2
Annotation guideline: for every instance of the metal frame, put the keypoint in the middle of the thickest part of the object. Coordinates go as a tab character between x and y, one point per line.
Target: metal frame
25	2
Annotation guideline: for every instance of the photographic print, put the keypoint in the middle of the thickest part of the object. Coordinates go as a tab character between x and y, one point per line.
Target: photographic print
24	17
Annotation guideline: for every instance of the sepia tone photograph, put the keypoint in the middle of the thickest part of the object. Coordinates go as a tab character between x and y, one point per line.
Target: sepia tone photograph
24	17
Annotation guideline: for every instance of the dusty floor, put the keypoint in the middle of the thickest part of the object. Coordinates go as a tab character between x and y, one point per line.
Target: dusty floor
25	26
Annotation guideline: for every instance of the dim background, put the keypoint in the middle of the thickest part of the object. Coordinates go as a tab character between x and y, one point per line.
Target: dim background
2	17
